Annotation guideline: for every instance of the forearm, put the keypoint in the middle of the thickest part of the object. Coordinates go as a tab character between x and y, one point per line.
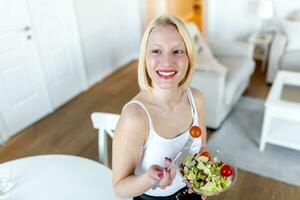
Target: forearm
132	186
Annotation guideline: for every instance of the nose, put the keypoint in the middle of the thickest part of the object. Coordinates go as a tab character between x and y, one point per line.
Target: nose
166	59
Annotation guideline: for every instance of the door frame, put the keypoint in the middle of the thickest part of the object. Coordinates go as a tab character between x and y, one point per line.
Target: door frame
3	131
83	68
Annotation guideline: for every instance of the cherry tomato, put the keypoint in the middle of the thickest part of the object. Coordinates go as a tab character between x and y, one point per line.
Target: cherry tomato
195	131
206	154
226	170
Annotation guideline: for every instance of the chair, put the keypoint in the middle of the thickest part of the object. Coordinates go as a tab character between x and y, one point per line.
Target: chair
105	123
285	49
222	74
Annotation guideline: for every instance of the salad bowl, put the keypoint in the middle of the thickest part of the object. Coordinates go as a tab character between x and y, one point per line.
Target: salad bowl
207	170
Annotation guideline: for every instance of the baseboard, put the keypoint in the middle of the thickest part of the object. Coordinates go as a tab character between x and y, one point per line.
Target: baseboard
99	77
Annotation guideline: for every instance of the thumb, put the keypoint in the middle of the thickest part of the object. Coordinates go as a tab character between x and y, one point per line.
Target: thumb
156	172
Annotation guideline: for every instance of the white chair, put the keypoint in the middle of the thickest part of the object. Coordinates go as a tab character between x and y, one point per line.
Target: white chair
105	123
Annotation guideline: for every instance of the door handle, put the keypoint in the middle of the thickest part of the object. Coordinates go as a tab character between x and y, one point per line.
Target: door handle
26	28
15	29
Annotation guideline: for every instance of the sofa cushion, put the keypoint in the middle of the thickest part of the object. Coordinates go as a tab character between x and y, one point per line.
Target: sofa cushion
239	71
291	59
213	65
295	15
292	30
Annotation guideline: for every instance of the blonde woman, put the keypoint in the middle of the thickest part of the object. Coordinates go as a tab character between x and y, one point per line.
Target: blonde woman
154	125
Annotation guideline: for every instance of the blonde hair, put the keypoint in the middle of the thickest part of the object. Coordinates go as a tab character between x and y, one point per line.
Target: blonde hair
143	77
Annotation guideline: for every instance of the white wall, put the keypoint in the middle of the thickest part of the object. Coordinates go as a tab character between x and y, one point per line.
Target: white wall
237	19
110	32
283	8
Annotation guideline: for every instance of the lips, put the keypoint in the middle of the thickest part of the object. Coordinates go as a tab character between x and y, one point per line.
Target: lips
166	74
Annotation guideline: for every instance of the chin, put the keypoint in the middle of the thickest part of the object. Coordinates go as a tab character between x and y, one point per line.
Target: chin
165	86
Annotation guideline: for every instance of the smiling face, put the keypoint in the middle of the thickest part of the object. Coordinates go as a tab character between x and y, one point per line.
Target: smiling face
166	57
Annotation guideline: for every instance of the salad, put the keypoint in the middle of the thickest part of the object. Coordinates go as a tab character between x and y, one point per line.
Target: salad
205	175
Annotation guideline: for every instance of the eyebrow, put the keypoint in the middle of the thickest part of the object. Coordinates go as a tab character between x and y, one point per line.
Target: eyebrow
175	46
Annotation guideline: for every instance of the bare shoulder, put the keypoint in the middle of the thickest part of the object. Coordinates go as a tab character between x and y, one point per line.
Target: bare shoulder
133	114
198	96
133	124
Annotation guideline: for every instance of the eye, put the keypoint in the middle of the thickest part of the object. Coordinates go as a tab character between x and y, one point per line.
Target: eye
156	51
178	51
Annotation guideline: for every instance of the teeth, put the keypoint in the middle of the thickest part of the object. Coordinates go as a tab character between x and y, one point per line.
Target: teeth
166	73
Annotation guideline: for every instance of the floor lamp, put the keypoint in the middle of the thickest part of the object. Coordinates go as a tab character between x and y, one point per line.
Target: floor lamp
265	12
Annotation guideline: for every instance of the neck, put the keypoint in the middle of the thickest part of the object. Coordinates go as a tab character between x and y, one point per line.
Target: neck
167	97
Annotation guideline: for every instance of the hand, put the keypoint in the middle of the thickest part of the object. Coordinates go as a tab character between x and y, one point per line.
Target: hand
169	175
165	176
203	197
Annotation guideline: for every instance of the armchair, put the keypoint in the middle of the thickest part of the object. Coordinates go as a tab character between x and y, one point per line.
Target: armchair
285	50
222	74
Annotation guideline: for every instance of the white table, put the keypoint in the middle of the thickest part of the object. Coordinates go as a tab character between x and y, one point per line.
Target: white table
59	177
281	125
262	42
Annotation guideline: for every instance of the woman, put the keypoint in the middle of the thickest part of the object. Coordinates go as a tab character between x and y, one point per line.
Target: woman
154	125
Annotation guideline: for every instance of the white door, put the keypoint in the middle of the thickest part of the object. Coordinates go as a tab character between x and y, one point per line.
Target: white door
58	40
23	93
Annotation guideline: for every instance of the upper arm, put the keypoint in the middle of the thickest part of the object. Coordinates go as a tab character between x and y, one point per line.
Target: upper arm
200	106
129	138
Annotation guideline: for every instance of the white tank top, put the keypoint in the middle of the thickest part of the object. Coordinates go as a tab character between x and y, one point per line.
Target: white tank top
157	148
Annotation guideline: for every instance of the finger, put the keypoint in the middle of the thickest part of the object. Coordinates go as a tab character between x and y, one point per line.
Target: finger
190	191
173	171
172	174
157	168
203	197
156	172
168	160
173	168
156	175
166	179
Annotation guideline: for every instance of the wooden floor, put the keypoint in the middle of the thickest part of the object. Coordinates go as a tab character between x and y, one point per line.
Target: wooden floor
69	131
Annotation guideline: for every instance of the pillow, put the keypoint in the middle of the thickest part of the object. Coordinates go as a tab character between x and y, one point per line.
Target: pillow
295	16
203	50
292	30
213	66
197	44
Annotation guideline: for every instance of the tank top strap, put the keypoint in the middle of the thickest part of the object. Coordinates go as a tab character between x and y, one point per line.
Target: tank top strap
193	106
144	108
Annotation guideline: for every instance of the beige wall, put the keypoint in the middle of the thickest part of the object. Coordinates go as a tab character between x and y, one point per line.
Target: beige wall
180	8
